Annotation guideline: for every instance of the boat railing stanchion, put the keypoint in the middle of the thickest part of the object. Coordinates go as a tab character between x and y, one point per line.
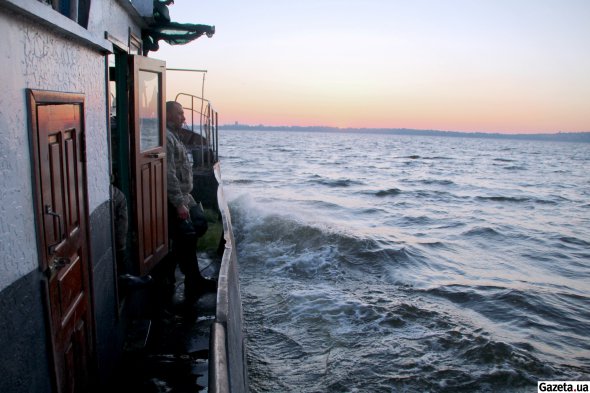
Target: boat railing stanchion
216	137
208	129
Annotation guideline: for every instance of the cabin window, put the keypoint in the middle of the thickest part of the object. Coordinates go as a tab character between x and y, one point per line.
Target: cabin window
76	10
149	110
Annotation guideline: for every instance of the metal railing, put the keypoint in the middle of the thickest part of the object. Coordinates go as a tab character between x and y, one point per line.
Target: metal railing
227	357
206	146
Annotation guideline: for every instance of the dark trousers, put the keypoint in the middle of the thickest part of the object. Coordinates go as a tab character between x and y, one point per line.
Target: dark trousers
183	251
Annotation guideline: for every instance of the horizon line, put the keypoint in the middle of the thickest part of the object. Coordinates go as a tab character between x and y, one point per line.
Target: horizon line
236	124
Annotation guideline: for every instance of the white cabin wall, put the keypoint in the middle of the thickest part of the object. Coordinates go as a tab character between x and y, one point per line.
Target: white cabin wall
111	17
18	247
35	57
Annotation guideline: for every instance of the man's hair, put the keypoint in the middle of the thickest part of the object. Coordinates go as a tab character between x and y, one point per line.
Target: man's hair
170	104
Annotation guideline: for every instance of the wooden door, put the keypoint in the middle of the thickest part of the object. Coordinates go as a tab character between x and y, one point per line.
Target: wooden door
148	156
57	126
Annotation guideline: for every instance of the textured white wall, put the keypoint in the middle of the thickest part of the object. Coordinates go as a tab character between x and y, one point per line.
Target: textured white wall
110	16
33	57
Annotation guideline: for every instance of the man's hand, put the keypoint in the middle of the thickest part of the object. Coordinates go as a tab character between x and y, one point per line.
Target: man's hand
182	212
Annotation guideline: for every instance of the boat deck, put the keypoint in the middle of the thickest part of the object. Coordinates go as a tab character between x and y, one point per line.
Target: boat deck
170	351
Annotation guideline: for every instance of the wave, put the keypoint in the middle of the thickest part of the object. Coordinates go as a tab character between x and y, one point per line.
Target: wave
417	157
287	243
412	221
504	160
520	199
438	196
575	241
436	245
502	199
388	192
336	182
324	205
485	232
342	338
516	168
558	318
370	211
440	182
243	181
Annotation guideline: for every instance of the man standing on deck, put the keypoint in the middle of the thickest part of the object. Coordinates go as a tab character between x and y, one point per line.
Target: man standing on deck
186	222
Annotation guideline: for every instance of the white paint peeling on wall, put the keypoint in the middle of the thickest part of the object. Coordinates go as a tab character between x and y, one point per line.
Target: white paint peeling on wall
47	62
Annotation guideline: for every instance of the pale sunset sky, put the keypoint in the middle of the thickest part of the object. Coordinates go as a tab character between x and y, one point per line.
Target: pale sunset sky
509	66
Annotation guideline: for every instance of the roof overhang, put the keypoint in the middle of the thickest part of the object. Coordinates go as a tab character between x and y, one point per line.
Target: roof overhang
160	27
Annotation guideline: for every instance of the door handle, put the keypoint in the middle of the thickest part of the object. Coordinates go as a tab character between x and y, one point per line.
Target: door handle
57	264
157	155
60	236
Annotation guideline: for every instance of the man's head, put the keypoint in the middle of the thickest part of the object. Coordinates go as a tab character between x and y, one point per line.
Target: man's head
174	115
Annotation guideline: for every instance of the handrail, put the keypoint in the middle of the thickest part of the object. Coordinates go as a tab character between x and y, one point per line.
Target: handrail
208	125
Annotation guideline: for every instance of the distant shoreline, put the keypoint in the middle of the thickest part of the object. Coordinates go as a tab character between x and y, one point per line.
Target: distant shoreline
556	137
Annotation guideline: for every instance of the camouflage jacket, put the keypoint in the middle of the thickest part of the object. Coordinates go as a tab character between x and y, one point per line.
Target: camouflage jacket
180	172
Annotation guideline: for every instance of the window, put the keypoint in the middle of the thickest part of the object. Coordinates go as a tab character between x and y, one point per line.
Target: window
149	110
76	10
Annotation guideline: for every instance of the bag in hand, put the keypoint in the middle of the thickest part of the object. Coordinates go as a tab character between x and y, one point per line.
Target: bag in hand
198	220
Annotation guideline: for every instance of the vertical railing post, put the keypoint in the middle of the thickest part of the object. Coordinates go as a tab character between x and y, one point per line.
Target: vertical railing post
192	115
216	138
202	125
207	111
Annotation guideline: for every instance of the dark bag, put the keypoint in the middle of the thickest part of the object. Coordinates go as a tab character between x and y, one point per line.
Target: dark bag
198	220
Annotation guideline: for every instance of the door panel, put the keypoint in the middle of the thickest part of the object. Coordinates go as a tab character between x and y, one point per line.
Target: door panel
148	152
146	204
58	161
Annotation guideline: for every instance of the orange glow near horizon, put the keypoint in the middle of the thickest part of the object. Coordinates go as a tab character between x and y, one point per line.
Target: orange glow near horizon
494	67
515	114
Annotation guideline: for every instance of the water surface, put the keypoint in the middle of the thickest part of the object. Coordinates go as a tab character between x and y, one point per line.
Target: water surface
374	263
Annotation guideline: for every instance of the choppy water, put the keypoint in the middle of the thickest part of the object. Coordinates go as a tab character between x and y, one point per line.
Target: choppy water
374	263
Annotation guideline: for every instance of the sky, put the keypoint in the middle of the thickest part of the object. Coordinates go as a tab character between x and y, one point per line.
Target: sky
507	66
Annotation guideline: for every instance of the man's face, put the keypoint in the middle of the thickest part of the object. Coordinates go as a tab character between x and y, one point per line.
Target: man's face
175	117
